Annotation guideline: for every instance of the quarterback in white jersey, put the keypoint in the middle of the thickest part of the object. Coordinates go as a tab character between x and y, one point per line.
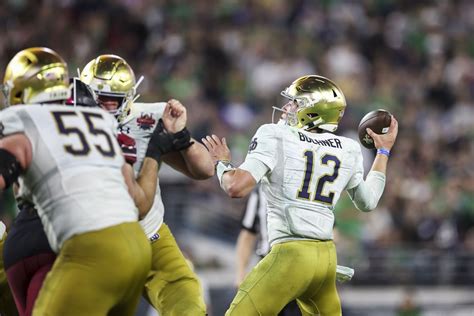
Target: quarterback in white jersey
303	168
70	162
172	287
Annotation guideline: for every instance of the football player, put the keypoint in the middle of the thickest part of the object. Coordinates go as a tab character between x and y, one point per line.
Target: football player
172	287
70	165
303	168
7	304
28	255
254	232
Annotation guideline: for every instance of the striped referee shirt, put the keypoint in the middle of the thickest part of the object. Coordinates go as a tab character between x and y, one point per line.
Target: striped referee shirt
255	220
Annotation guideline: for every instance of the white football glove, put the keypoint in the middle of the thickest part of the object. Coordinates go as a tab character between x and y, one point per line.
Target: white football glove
344	274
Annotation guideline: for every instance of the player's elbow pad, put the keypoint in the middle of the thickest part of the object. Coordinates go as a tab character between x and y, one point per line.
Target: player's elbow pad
367	194
10	168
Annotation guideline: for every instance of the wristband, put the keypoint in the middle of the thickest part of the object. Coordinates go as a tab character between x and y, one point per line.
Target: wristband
160	142
222	167
182	139
383	151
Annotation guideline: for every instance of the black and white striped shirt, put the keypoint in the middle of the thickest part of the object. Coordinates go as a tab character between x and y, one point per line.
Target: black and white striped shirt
255	220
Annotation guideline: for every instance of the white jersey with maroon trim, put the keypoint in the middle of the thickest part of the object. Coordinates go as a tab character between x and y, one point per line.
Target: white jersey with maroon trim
75	177
140	124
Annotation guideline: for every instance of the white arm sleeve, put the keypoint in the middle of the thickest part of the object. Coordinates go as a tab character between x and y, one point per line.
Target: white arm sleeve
366	195
256	168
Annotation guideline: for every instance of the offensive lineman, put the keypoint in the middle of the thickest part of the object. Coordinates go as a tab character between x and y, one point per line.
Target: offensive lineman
70	163
303	170
172	287
28	256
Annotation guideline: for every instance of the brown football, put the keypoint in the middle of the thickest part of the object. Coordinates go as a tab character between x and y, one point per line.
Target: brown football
378	121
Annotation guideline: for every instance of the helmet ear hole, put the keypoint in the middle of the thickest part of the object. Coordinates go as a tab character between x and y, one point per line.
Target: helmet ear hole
334	93
19	94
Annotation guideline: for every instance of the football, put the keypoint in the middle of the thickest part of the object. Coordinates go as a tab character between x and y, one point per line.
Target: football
378	121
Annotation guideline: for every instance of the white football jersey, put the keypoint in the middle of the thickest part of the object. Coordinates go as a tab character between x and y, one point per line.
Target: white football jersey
75	178
140	124
308	172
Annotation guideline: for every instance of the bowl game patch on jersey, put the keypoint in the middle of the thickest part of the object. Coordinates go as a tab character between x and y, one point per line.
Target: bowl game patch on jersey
146	121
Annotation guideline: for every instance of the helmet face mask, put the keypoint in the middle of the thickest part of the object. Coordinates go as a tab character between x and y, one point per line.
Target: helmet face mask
36	75
320	103
81	94
113	80
110	103
288	115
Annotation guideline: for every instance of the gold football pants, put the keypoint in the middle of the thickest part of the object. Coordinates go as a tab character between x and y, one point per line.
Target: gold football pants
172	287
97	273
301	270
7	303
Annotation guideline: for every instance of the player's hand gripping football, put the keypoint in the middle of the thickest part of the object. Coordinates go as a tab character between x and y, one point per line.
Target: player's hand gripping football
174	116
385	140
217	148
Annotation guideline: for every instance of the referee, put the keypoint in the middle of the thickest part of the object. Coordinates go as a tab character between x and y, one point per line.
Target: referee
253	235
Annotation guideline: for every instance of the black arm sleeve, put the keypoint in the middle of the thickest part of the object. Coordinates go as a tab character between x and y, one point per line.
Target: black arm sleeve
10	168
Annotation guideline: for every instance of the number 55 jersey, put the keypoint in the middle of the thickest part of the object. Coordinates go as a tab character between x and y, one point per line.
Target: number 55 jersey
75	177
307	172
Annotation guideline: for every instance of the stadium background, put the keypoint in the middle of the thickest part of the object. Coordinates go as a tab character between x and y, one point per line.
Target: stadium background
227	61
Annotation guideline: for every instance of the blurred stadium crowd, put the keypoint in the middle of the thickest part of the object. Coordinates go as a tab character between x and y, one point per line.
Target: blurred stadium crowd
227	61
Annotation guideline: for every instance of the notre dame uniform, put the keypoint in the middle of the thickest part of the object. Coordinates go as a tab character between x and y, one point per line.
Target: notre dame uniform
172	287
306	174
76	182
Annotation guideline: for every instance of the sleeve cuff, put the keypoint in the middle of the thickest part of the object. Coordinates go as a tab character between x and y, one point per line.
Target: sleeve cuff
255	167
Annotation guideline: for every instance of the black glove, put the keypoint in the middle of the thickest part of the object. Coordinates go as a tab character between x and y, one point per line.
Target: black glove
182	139
10	167
161	142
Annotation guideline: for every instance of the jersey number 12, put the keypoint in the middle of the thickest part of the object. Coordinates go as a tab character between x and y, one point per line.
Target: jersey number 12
304	192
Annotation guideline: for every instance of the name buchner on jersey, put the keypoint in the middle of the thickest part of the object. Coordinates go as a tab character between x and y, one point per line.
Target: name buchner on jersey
331	142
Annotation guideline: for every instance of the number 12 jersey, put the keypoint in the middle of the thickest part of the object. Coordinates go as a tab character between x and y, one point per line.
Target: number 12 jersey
307	174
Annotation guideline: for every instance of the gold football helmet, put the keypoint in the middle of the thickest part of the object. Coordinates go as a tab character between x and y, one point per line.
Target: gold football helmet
110	76
36	75
320	103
